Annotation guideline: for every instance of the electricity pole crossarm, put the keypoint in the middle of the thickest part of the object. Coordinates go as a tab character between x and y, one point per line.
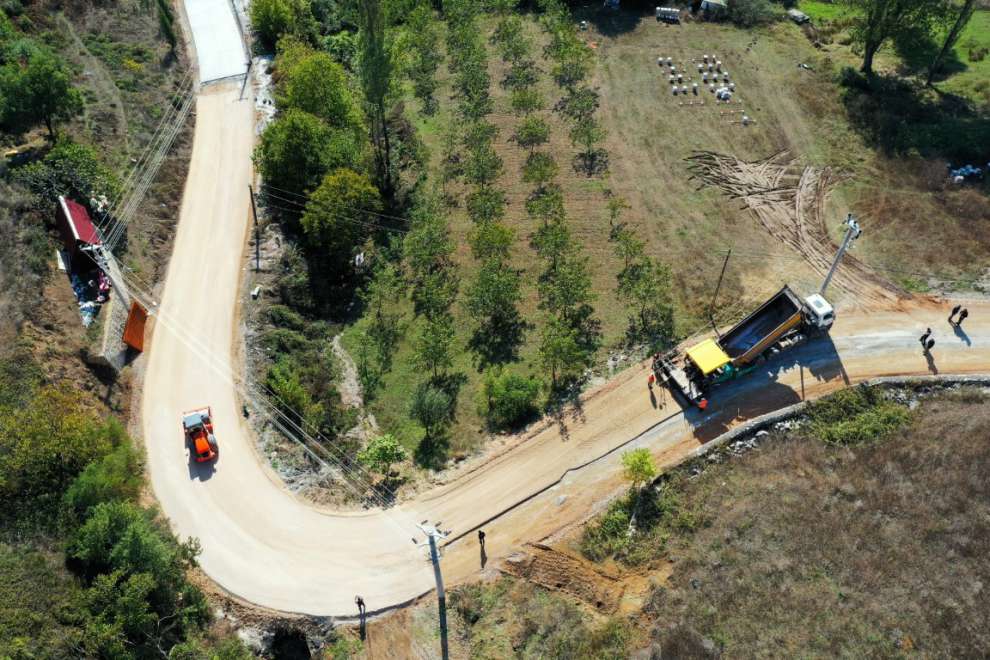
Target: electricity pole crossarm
433	535
852	233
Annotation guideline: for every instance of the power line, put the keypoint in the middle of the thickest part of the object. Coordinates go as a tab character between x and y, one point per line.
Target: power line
309	200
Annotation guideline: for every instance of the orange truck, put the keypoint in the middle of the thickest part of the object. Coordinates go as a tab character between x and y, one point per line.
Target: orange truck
198	428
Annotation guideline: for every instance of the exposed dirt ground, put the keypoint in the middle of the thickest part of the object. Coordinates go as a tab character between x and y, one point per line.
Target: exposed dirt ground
790	204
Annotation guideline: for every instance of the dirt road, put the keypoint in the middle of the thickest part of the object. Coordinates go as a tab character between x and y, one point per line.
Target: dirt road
261	543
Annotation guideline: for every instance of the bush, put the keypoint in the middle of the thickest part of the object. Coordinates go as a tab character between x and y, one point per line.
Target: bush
286	317
116	476
313	82
509	400
856	416
270	19
281	341
46	444
136	575
749	13
71	169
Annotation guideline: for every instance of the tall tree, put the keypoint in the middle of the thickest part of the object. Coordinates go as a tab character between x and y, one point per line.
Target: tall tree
879	20
340	214
376	69
966	11
37	88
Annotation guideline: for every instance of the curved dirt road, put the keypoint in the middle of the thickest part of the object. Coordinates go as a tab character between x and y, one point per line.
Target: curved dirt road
264	545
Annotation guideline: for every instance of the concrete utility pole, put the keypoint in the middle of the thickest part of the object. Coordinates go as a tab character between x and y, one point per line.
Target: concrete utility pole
852	233
433	534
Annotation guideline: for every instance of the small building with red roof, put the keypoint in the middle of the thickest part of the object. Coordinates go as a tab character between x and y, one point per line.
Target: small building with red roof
75	226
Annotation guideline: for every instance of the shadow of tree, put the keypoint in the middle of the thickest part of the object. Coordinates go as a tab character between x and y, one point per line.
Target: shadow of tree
917	50
900	117
498	342
611	22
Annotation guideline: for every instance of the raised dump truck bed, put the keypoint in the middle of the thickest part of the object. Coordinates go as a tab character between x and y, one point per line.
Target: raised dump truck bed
764	327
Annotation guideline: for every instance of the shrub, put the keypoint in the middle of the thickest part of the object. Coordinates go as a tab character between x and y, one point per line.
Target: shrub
286	317
270	19
509	399
47	443
856	416
136	571
116	476
381	453
281	341
749	13
70	169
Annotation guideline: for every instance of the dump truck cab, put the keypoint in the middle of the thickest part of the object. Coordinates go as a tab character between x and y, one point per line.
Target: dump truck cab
818	313
198	428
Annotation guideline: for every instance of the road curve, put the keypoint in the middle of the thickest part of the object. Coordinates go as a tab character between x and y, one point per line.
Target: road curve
263	544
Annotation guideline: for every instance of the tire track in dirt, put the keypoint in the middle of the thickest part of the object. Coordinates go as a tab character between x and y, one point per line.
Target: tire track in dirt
790	204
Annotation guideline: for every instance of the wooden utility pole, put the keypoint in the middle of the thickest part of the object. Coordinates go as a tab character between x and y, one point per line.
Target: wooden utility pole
718	287
852	233
257	234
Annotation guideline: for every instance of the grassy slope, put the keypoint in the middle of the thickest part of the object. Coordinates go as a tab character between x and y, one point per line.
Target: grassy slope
974	81
814	550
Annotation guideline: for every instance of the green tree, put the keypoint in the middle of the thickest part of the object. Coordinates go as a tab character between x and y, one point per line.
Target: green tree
45	444
492	301
539	169
381	298
37	87
424	37
382	453
116	476
340	214
138	592
491	239
486	205
879	20
427	249
639	470
70	169
963	13
431	407
646	286
526	101
532	132
433	344
483	166
298	149
588	132
561	352
638	467
375	68
313	82
578	103
271	19
508	399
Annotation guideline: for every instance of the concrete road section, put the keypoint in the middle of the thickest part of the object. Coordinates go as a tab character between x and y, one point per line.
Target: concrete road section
217	38
265	545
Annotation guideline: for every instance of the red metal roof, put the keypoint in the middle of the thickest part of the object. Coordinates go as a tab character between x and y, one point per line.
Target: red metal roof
82	227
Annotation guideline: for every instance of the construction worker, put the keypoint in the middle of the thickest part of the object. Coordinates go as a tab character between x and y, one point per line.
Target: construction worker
925	336
481	538
955	310
360	604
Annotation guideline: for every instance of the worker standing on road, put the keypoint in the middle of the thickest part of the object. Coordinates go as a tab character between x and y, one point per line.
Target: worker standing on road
481	538
360	604
952	316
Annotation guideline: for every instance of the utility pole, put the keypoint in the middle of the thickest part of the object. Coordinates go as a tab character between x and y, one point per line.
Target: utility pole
433	534
718	287
257	236
852	233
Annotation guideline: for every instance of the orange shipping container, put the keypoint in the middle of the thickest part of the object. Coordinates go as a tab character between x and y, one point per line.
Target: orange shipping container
134	329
